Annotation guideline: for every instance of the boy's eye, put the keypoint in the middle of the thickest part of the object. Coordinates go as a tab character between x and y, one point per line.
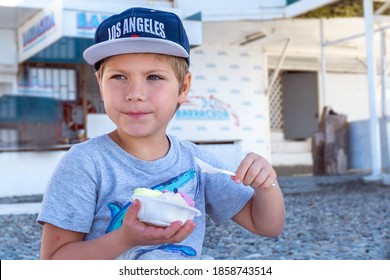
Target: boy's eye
154	78
118	77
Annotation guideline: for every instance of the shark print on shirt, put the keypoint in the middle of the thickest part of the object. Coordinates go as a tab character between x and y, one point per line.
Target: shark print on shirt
184	182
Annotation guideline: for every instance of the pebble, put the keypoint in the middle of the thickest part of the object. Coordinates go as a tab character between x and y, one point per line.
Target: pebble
349	221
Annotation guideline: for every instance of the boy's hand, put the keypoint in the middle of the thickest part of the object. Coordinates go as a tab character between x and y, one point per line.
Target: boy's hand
136	233
255	171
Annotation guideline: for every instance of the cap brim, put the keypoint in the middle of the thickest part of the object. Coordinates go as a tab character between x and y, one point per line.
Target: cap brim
106	49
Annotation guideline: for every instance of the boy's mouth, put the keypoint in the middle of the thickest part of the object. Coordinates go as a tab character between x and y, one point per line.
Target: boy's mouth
137	114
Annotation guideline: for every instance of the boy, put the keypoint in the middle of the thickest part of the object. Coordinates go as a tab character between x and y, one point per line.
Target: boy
142	59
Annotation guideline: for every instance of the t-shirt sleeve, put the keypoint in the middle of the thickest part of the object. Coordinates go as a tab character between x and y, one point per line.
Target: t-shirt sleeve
70	197
224	197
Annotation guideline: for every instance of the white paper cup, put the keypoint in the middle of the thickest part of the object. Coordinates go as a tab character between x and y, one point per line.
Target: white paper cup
161	212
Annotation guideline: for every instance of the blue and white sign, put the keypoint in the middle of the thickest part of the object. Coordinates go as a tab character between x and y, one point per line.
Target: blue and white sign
40	31
82	24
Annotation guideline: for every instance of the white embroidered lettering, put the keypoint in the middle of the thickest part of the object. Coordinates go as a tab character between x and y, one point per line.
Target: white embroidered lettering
156	28
136	25
140	27
147	25
125	26
109	34
162	33
113	32
118	29
132	25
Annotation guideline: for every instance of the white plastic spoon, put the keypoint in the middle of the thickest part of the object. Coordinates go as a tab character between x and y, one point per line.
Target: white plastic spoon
211	169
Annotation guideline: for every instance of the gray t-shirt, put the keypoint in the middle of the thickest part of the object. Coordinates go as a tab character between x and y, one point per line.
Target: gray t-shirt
90	189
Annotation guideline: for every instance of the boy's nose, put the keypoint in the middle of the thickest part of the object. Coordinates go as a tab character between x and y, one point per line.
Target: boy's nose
135	92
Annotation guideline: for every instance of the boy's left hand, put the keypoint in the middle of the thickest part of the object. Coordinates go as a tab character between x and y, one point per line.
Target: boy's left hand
255	171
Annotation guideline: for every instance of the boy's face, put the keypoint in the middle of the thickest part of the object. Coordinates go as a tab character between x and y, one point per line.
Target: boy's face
141	93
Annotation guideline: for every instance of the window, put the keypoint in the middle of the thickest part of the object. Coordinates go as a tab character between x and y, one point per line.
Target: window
48	108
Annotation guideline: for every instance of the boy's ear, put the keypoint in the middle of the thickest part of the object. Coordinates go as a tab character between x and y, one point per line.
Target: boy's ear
185	89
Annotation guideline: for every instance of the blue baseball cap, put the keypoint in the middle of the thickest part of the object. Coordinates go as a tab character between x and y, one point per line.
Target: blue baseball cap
139	30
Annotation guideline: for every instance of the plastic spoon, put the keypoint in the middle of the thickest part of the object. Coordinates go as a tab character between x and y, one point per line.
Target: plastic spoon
211	169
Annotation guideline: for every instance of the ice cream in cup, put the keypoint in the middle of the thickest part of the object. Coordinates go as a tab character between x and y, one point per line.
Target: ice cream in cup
164	208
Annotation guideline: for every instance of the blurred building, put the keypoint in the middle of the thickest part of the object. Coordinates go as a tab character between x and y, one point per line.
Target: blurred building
258	82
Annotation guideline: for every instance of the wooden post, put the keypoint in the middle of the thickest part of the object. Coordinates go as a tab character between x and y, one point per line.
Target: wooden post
330	144
317	149
336	144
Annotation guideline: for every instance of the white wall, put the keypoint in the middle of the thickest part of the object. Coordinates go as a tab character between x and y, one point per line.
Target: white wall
348	94
98	124
8	47
8	62
26	173
233	76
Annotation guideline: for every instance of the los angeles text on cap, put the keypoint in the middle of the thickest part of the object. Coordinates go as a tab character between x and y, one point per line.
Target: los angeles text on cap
134	25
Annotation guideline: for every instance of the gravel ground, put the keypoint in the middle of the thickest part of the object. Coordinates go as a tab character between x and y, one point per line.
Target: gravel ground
342	221
335	224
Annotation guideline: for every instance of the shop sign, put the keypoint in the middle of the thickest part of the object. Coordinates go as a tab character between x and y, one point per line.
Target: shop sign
82	24
40	31
206	118
200	108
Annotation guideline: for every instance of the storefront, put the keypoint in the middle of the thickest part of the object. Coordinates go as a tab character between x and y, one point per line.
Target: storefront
55	89
49	97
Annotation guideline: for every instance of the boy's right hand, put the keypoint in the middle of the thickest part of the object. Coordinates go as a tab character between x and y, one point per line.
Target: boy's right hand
137	233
